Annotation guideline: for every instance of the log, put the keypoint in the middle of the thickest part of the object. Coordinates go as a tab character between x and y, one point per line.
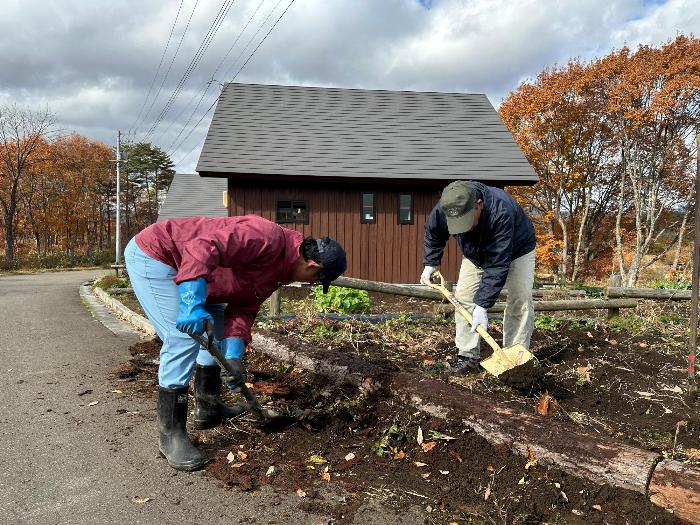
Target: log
649	293
555	306
592	457
419	290
595	458
675	487
423	292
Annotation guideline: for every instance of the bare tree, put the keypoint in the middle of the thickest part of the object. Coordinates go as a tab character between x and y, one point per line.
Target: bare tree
23	133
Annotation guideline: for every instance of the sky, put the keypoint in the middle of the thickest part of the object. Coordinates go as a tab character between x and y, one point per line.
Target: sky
153	68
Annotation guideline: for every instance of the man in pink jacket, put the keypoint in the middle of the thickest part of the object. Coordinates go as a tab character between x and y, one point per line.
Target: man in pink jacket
189	272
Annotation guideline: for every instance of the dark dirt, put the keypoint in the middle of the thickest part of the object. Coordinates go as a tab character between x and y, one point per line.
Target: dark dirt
348	447
610	381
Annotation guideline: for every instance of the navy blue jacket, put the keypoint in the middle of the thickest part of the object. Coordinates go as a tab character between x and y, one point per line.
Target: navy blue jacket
503	234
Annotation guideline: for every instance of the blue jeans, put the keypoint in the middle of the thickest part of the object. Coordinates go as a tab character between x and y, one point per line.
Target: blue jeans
155	289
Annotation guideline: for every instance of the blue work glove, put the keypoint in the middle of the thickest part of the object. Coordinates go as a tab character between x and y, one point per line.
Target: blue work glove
233	349
193	297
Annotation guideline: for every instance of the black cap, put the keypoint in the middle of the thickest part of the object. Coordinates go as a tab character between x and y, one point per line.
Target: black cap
332	259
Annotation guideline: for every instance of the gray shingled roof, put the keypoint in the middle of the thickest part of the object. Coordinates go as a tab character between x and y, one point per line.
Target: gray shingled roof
331	132
190	195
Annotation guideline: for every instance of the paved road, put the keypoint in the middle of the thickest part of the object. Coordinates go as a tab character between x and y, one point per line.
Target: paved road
66	459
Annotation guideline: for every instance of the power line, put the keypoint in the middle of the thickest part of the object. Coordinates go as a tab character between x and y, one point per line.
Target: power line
269	14
167	44
208	38
213	79
170	66
234	78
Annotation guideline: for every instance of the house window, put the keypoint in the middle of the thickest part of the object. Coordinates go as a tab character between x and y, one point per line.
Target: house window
368	211
292	212
405	215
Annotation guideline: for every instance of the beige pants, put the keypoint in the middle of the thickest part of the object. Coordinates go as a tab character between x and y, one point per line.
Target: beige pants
519	315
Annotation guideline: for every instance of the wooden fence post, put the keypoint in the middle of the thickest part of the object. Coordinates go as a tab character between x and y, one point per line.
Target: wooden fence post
615	280
275	303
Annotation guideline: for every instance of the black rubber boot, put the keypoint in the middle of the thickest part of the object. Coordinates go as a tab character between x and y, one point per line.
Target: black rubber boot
209	410
172	426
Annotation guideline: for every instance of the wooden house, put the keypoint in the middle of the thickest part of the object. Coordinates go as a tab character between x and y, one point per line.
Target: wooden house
364	167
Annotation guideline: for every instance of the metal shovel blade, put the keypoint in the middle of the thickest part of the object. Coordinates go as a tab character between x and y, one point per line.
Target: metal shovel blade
506	359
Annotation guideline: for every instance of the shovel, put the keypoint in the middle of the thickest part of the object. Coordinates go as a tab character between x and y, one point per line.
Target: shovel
502	359
212	346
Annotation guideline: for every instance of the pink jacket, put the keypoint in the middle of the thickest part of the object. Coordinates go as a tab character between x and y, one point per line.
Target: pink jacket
244	259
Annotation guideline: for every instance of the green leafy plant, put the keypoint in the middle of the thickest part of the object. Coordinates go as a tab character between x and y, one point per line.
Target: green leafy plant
342	300
382	446
547	322
680	284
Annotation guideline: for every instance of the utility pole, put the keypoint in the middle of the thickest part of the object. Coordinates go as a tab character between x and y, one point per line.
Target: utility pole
692	351
118	226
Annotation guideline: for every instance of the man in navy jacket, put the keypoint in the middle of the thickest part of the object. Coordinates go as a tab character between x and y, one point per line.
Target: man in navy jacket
498	242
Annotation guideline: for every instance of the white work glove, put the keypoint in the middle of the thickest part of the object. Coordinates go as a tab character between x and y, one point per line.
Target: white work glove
479	317
428	271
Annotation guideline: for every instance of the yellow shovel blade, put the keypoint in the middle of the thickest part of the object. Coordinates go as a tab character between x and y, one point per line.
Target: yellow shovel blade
505	359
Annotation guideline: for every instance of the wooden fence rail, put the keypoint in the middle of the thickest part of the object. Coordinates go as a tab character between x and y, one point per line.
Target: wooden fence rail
648	293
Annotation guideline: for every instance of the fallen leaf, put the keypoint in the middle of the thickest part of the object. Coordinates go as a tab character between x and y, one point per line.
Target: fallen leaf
350	457
676	389
558	485
117	392
584	373
547	405
427	447
230	456
425	476
400	455
440	436
589	335
316	460
613	342
325	476
693	453
576	512
419	436
444	472
487	493
92	403
521	481
140	501
597	507
456	456
644	394
419	464
237	465
564	496
642	344
301	493
428	362
242	455
270	471
531	459
271	389
490	468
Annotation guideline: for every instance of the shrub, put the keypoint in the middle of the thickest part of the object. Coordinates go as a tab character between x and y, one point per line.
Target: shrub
341	300
112	281
680	284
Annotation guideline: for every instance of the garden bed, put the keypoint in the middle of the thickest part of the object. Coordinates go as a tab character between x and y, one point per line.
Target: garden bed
348	447
623	379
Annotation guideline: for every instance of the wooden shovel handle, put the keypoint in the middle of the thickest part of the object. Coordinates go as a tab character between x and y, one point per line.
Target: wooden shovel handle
440	287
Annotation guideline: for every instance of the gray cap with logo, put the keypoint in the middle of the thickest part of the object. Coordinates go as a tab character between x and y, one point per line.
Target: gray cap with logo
458	203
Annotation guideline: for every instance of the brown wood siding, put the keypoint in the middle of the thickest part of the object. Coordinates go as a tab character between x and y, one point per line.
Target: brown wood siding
381	251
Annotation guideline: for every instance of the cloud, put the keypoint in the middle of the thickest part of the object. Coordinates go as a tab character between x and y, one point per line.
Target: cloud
92	63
